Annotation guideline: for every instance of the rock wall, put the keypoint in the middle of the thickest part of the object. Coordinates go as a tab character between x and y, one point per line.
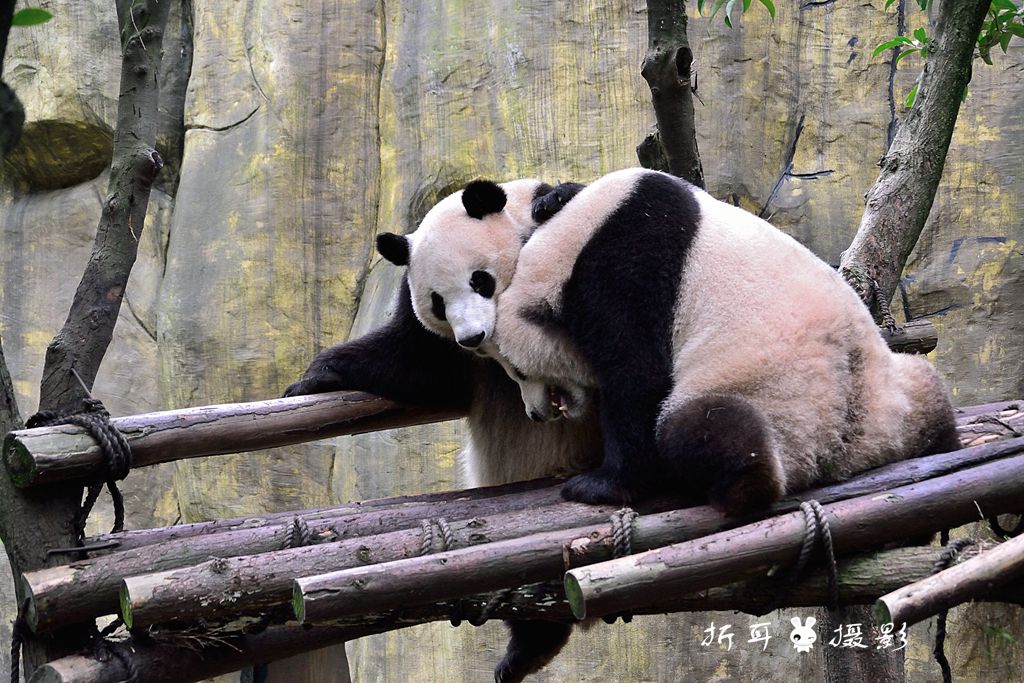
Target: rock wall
307	127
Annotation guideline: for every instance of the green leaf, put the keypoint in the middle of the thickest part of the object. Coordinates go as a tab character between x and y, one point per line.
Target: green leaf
30	16
1004	41
889	3
770	6
985	51
746	5
1016	29
1004	4
911	97
920	34
889	44
905	53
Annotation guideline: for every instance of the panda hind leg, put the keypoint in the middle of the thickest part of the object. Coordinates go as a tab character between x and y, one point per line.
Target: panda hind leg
718	448
531	645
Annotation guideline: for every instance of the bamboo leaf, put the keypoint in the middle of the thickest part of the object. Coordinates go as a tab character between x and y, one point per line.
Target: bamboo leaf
770	6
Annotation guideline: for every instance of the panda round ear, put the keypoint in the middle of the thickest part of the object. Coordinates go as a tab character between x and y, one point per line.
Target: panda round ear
394	248
483	197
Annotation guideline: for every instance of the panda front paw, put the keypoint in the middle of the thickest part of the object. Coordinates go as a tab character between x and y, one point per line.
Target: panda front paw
597	487
546	206
318	383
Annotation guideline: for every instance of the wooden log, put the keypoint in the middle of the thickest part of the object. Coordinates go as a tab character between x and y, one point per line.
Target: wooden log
625	583
48	454
964	582
867	521
914	336
421	506
861	580
86	589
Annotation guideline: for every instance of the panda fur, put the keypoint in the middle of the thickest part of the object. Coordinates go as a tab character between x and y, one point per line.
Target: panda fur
461	258
732	364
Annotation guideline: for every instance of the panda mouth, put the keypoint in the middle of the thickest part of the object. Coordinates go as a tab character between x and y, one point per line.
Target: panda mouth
559	400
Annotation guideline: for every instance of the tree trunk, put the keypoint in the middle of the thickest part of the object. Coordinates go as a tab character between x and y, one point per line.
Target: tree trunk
666	69
35	521
899	202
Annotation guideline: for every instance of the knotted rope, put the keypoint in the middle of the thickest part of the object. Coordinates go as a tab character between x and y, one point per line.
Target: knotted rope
94	419
948	556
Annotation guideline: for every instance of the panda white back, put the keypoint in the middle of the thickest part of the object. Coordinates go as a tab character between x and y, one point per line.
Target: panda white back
776	366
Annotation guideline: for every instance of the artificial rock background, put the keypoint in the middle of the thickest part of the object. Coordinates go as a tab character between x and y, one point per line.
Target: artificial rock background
302	128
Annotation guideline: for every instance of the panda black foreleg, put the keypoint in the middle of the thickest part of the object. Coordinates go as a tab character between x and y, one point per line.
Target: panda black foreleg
531	645
629	469
718	448
401	361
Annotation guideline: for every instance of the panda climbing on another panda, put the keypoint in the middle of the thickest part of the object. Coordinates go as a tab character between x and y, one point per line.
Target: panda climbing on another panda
460	259
732	365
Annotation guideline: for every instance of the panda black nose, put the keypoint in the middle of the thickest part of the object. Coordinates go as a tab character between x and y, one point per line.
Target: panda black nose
472	342
536	417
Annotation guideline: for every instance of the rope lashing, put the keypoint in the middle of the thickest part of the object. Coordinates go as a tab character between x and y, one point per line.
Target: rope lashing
427	535
299	534
117	454
19	630
622	545
816	529
948	556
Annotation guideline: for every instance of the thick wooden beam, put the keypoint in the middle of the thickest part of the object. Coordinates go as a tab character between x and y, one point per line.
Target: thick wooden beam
964	582
856	524
48	454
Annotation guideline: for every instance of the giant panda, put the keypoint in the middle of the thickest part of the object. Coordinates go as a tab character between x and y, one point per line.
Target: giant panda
460	259
731	364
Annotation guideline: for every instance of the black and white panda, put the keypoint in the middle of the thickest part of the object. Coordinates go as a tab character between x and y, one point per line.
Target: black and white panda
731	363
460	259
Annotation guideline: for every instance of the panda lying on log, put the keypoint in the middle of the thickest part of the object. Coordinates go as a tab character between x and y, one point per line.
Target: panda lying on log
731	363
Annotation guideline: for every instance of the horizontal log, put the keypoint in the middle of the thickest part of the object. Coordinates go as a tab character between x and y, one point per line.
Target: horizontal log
405	507
866	521
965	582
86	589
155	660
913	336
47	454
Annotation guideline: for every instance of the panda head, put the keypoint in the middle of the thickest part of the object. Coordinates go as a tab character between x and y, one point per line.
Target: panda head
462	256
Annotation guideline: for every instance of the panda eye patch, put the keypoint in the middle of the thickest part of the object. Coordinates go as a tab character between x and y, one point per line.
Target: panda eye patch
437	306
482	283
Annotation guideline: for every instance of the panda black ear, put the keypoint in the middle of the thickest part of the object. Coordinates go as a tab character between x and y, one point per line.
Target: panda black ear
482	197
394	248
